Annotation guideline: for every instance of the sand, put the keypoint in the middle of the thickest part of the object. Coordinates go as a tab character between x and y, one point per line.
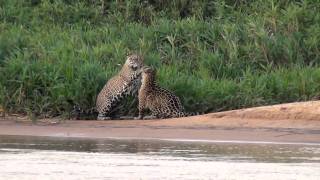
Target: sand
284	123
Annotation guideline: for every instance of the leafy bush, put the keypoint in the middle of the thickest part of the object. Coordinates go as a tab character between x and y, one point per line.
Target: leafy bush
215	55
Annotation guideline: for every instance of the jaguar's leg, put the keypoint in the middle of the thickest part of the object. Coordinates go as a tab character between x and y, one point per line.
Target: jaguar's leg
154	115
141	106
110	109
150	117
105	113
125	117
141	112
103	117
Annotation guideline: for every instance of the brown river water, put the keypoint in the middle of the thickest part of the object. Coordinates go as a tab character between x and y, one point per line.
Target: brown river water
76	158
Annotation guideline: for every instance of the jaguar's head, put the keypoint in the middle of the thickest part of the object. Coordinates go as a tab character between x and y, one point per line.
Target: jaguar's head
148	74
147	70
134	61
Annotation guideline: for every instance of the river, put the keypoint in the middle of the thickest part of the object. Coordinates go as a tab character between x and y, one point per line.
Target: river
77	158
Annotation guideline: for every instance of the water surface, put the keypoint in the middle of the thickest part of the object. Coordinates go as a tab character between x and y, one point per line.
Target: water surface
61	158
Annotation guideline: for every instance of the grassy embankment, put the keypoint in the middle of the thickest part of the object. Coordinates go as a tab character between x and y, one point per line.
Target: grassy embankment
215	55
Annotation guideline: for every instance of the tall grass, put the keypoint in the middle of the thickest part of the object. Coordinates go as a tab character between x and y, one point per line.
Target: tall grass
215	55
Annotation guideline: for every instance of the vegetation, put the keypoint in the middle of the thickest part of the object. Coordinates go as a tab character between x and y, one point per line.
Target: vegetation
215	55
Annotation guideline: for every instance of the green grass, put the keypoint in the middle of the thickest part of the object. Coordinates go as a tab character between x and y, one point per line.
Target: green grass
215	55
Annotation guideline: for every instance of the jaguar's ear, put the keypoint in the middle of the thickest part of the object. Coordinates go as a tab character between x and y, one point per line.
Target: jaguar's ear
128	53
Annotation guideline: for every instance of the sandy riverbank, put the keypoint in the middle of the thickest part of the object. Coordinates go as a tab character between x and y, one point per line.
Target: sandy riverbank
291	123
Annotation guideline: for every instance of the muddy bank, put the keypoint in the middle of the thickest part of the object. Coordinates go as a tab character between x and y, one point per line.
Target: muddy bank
294	123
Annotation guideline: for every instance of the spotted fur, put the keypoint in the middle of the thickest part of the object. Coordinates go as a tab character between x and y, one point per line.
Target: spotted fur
161	102
126	82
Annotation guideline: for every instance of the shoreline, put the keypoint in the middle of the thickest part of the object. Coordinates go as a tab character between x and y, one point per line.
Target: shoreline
121	131
248	142
294	123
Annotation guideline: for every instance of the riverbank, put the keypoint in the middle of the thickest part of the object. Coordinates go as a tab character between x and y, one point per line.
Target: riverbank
285	123
214	55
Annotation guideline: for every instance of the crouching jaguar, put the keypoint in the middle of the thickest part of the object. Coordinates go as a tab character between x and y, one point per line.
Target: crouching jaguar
161	102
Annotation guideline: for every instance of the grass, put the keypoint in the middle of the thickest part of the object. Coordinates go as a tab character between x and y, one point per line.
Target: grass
215	55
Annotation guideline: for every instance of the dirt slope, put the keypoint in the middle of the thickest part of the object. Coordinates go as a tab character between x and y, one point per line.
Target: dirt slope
294	111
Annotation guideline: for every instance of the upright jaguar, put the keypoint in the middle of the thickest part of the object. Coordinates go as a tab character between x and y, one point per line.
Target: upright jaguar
161	102
126	82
